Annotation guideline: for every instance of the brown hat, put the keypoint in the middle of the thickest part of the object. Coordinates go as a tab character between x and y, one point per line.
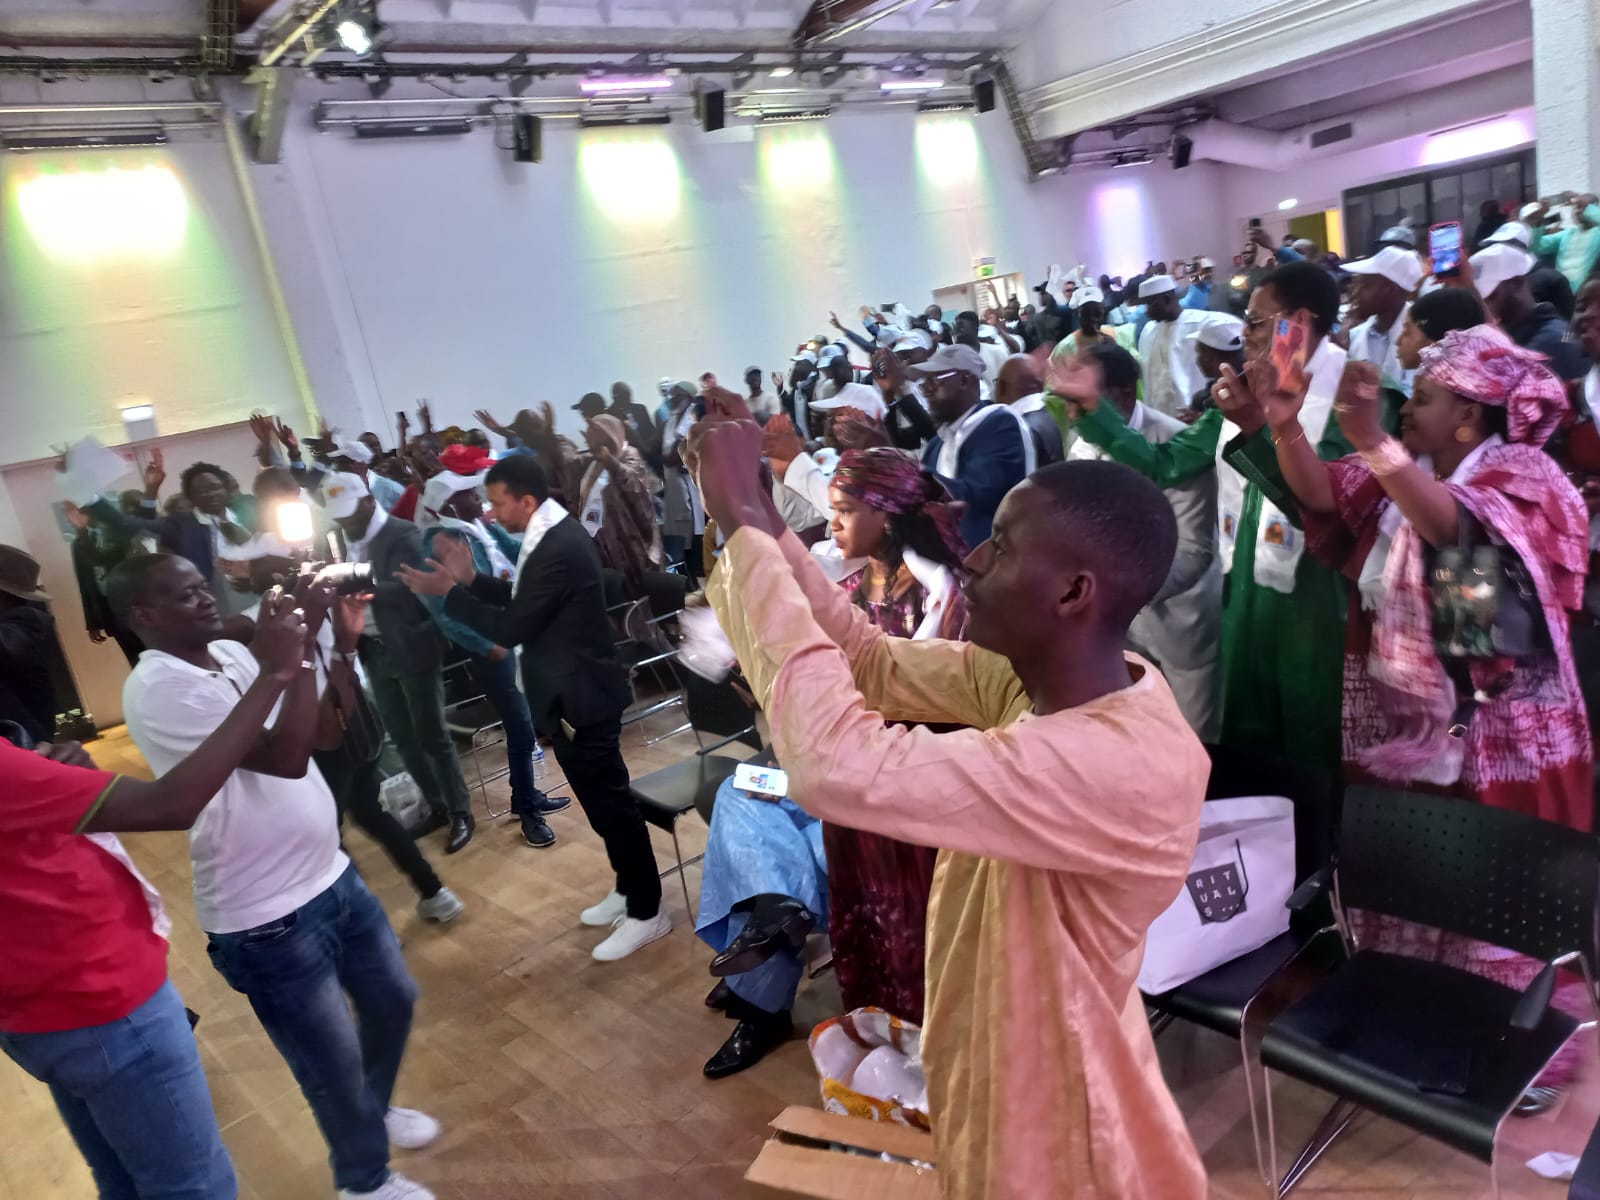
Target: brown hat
19	574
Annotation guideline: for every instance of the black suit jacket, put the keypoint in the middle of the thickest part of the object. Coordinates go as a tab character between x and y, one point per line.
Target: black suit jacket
558	616
181	533
410	637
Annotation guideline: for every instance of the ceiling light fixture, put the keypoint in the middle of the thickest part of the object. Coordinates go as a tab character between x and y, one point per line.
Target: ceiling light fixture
783	118
625	83
945	106
354	37
1286	205
912	84
781	72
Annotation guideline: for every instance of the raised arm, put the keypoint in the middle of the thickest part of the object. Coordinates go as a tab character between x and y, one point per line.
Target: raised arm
177	798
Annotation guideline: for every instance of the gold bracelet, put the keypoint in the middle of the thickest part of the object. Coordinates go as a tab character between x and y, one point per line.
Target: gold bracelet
1299	436
1387	457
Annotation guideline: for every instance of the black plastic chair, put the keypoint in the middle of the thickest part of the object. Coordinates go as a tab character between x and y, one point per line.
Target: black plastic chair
664	796
1223	999
1442	1051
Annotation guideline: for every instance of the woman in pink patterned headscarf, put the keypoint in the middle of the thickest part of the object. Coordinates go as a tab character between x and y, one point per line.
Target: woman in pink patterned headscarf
1471	442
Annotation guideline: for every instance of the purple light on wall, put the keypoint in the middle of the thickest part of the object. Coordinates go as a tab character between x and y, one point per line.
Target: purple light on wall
1476	140
625	83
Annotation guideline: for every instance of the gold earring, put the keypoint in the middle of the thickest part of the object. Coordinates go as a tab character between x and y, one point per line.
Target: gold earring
1463	433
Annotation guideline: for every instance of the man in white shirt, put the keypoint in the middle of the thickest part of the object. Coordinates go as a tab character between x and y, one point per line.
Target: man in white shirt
763	404
1379	299
1171	374
289	922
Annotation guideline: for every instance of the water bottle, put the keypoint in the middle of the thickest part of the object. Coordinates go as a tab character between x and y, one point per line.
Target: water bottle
539	768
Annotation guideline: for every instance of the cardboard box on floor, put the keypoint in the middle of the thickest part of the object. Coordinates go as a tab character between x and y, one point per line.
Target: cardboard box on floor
799	1163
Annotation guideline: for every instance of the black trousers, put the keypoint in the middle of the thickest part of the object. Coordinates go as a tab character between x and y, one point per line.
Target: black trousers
355	789
592	761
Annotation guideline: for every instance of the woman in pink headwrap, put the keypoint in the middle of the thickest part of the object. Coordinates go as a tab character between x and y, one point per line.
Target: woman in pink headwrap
899	519
1471	442
898	535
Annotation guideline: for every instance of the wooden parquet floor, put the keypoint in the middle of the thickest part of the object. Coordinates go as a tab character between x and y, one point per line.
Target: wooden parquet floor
559	1078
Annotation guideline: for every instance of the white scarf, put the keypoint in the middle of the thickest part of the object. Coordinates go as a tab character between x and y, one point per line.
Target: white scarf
593	492
953	437
498	562
1278	543
356	551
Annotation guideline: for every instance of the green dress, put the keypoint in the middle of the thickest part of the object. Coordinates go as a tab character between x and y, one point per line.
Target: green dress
1282	655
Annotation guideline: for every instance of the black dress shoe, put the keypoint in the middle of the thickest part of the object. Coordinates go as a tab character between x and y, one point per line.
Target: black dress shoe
437	818
545	805
752	1039
460	833
537	833
719	996
776	923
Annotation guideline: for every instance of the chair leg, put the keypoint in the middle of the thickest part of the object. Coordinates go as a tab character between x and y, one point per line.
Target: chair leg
683	874
1334	1123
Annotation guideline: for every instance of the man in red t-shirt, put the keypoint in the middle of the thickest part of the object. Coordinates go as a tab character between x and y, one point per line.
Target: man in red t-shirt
85	1005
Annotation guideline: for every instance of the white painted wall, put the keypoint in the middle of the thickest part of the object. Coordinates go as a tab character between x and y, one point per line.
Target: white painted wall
179	316
456	274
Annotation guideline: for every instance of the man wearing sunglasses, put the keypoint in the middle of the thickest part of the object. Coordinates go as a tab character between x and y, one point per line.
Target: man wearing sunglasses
981	451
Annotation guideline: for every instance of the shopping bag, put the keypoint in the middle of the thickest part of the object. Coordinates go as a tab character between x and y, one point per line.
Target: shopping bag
403	799
1233	899
870	1065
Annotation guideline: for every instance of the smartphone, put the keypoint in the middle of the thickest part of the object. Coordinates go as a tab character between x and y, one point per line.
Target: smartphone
1255	222
763	781
1444	247
1291	342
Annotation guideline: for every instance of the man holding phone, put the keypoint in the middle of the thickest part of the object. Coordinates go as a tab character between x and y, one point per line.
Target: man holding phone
1379	300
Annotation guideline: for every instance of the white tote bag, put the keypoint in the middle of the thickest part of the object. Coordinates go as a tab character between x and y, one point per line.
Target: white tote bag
1233	899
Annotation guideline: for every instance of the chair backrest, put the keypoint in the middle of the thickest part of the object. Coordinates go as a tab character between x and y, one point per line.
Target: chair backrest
1313	790
718	709
615	587
1487	873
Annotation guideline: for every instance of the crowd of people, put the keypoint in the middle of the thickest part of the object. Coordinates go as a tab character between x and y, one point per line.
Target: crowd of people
968	566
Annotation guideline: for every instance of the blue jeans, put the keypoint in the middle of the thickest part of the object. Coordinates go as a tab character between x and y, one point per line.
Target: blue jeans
499	683
135	1100
297	972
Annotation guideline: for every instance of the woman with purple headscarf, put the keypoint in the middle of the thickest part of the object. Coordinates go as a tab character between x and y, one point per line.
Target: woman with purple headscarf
1471	443
773	871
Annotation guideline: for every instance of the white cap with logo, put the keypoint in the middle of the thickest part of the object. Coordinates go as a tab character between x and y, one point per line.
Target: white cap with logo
1500	263
342	494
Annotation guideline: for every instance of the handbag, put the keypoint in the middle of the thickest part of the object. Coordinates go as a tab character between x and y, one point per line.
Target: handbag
1235	893
1485	607
361	731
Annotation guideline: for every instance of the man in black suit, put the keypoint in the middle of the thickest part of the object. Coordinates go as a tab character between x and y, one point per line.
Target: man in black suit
555	614
402	652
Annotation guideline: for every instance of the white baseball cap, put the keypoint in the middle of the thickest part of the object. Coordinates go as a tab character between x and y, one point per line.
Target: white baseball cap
1402	234
854	395
1156	285
1500	263
1221	332
1207	265
809	356
342	494
915	339
353	450
1514	232
951	358
445	484
1399	266
1087	294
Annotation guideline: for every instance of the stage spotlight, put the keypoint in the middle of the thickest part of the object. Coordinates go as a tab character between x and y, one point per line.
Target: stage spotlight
354	37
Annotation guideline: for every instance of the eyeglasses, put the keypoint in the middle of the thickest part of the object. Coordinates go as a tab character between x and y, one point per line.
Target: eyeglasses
1257	322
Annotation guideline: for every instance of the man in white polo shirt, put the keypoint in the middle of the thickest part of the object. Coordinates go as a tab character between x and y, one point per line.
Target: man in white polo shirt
1379	300
289	922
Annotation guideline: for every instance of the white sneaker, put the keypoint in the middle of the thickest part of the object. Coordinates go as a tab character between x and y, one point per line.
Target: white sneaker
629	934
396	1187
444	905
409	1129
606	912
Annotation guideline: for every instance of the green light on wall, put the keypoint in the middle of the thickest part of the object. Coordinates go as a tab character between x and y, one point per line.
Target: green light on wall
94	215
